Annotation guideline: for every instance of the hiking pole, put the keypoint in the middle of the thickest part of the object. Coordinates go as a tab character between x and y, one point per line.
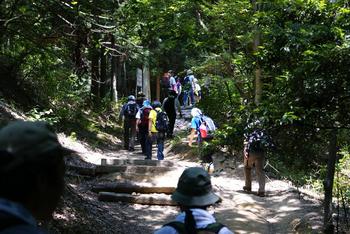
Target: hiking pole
268	164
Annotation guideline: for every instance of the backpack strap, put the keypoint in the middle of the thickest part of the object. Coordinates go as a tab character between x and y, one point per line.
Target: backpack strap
213	227
178	226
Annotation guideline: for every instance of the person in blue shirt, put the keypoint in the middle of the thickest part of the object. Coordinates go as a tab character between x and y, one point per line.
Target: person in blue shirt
195	123
31	176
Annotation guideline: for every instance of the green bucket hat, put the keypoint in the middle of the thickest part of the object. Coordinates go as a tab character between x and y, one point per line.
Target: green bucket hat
25	141
194	188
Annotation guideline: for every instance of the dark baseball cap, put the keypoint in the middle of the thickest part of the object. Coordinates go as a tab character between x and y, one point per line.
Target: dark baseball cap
194	188
24	141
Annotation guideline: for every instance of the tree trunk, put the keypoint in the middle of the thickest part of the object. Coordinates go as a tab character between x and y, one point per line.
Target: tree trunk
95	78
257	81
120	79
328	182
103	73
146	81
114	93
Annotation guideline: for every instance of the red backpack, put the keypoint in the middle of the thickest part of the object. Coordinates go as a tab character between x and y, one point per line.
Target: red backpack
144	117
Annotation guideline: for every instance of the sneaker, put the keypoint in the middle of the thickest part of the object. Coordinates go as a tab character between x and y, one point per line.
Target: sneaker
247	189
131	149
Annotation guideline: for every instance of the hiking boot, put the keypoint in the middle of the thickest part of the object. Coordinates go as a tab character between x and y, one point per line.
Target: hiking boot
147	158
247	189
261	194
131	149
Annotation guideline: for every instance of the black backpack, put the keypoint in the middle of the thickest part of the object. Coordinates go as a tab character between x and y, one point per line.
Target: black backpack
210	228
131	110
259	142
162	121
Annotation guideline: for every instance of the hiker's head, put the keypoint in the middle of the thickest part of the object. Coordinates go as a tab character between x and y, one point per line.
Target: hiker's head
156	104
140	94
146	103
189	72
171	72
194	189
196	112
131	98
31	166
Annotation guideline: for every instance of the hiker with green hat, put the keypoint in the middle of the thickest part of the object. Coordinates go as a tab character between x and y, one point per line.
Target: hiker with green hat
194	195
31	175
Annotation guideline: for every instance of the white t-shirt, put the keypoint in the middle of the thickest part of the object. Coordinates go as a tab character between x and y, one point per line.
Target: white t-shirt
202	217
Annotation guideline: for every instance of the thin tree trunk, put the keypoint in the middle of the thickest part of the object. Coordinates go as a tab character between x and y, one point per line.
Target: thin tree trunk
125	81
328	182
103	72
146	81
95	78
114	93
257	81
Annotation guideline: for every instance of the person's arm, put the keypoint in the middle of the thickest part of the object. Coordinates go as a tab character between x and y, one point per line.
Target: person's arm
150	123
245	150
138	119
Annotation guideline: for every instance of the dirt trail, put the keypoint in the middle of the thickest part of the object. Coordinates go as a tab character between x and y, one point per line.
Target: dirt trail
284	210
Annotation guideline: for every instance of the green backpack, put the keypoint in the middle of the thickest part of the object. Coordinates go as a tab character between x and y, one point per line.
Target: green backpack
209	229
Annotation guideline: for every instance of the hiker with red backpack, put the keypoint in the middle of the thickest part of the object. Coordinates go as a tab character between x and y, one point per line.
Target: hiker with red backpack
128	113
157	127
194	195
142	117
202	125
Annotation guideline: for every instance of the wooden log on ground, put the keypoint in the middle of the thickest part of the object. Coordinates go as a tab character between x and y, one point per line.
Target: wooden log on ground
131	188
87	171
158	199
131	169
141	162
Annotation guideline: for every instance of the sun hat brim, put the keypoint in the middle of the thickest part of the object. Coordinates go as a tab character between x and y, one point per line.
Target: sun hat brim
205	200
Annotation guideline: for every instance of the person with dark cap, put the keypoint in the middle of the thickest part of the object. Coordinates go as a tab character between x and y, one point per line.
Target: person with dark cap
194	195
128	113
170	105
155	134
31	175
141	97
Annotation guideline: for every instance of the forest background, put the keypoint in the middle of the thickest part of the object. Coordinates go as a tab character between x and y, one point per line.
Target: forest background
282	63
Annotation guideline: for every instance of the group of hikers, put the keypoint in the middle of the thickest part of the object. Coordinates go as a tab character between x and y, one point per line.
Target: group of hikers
187	89
32	166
